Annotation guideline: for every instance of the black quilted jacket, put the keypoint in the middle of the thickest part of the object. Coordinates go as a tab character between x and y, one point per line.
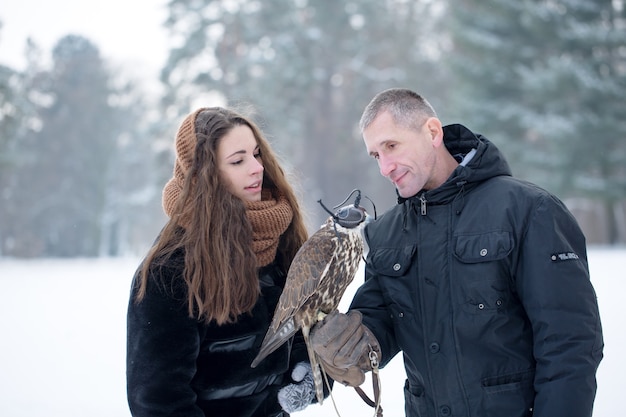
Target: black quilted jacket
177	366
483	284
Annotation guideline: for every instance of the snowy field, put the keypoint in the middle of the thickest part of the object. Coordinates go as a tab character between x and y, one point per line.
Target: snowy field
62	341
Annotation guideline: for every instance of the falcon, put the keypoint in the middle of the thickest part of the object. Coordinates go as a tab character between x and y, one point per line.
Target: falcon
318	277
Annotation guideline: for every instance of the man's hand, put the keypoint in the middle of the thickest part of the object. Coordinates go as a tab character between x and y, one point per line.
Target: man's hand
343	345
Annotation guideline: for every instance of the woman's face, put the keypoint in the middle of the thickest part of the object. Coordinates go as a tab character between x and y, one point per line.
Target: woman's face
240	163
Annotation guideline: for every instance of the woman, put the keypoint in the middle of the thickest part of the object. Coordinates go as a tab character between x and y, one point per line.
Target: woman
203	298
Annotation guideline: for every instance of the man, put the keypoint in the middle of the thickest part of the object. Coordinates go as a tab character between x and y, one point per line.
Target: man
480	279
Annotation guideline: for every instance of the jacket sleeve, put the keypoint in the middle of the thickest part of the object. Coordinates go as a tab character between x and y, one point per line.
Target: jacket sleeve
552	279
162	347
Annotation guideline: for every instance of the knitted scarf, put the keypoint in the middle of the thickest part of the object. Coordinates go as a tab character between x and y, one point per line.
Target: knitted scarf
269	218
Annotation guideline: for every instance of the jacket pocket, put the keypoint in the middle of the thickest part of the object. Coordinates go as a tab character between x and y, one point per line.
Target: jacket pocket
484	247
392	266
391	262
483	271
509	394
414	400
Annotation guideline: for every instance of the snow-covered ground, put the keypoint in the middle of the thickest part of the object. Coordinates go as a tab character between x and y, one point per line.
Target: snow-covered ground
63	335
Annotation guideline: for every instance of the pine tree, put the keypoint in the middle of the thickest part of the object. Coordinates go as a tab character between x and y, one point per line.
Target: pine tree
17	121
545	80
309	68
65	170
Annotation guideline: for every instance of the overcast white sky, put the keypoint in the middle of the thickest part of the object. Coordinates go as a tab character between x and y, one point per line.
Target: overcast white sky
128	33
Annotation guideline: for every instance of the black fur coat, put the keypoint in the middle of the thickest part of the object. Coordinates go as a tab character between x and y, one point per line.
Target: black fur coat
177	366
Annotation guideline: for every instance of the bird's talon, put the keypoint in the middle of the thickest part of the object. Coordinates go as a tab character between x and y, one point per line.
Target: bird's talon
321	315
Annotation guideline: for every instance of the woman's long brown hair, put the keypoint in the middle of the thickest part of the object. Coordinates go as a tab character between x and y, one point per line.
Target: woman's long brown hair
220	270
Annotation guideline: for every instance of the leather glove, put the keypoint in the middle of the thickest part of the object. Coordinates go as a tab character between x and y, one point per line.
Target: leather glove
343	345
295	397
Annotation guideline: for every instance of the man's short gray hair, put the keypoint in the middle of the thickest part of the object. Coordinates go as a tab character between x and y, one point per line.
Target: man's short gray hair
407	108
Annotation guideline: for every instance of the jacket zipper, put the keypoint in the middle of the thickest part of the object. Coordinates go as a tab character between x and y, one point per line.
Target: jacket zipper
423	204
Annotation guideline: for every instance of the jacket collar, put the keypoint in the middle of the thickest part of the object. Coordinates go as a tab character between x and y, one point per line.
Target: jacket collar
486	163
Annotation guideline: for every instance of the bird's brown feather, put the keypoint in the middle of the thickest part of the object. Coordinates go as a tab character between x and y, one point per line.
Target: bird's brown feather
305	274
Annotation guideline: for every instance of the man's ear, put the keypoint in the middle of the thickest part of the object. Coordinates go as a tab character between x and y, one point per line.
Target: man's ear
435	129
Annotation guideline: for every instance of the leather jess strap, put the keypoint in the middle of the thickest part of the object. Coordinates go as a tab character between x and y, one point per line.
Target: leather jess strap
378	409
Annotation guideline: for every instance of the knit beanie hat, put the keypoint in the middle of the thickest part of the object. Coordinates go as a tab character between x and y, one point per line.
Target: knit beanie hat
185	144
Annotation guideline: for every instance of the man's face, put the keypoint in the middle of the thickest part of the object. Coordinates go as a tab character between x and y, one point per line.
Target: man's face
405	156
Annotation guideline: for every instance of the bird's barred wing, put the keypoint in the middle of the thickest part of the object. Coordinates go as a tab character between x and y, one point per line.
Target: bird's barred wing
307	270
